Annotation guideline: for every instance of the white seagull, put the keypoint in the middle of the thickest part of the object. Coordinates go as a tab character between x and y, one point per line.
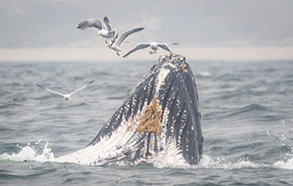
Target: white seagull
66	96
153	45
105	29
116	45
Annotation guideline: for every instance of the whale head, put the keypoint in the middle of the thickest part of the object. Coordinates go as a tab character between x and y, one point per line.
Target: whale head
158	122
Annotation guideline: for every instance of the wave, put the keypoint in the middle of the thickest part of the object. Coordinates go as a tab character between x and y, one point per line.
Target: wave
63	106
251	111
204	74
10	105
287	164
251	108
207	162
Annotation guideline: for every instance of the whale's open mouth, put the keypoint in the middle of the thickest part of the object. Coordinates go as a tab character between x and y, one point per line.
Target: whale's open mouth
158	122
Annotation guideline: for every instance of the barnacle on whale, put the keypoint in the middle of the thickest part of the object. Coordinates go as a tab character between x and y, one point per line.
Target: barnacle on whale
151	119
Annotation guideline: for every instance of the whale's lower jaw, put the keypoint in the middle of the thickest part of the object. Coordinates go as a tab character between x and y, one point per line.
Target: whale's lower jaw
158	122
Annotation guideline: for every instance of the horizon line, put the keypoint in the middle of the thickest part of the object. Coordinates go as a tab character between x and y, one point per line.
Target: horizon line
101	54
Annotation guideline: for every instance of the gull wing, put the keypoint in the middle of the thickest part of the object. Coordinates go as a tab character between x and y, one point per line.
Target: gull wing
164	46
114	34
124	35
52	91
106	24
137	47
132	42
82	87
174	43
90	23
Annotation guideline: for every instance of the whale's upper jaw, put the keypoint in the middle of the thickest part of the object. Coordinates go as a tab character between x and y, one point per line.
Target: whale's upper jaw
158	122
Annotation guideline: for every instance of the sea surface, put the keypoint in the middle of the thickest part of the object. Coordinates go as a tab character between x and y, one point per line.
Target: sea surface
247	123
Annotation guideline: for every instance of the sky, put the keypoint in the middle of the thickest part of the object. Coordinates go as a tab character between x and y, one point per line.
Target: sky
45	30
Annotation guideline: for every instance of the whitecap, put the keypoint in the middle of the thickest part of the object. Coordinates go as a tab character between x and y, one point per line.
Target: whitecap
284	164
205	74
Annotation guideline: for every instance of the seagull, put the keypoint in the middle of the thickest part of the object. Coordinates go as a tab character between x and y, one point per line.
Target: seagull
66	96
153	45
105	29
116	45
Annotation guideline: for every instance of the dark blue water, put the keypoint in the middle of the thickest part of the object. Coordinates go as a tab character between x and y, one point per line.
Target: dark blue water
247	123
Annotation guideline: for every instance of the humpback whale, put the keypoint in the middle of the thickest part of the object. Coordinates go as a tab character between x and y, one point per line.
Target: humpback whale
158	122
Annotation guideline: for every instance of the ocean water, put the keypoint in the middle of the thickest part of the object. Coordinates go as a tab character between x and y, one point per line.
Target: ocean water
247	123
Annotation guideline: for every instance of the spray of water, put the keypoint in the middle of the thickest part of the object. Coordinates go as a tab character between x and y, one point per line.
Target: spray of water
37	151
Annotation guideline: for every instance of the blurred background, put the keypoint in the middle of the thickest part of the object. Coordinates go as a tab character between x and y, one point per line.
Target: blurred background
45	30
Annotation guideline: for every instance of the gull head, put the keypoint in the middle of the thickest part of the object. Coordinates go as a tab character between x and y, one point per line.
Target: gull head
67	96
154	45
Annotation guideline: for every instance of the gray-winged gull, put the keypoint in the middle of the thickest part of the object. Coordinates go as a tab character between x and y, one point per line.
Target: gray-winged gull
105	29
153	45
66	96
116	45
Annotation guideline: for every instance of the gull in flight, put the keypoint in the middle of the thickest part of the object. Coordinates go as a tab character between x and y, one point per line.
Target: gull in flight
153	45
66	96
105	29
116	45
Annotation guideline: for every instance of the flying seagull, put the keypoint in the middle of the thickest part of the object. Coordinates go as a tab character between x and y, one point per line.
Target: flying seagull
105	29
153	45
66	96
116	45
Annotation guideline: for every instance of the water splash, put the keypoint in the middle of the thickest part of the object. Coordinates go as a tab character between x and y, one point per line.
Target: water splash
219	163
285	164
42	153
37	151
285	140
207	162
